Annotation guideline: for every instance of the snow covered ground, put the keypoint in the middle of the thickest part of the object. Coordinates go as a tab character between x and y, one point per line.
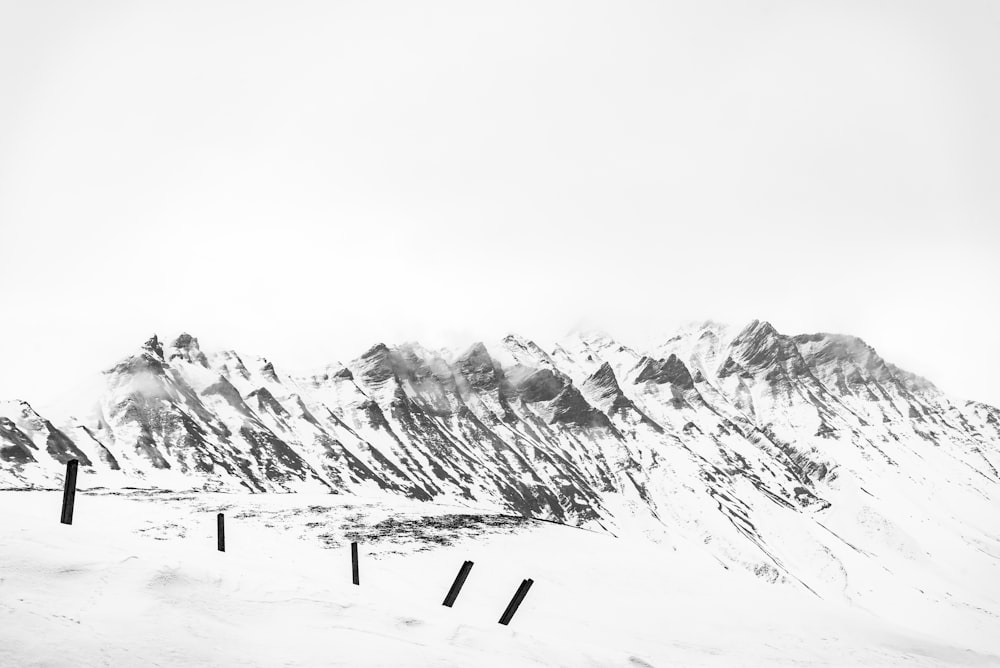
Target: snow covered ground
137	581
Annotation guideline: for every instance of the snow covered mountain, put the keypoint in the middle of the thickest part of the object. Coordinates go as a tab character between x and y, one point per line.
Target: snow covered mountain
798	457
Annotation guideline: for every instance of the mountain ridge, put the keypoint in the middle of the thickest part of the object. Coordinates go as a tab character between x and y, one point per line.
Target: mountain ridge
728	437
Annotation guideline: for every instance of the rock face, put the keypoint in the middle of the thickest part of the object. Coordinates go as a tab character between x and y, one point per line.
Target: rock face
746	440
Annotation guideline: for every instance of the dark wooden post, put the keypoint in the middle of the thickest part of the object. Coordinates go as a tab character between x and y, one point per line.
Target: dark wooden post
515	602
354	563
69	491
456	586
221	521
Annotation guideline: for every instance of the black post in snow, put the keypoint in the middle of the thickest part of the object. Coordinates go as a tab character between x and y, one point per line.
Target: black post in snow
515	602
354	563
221	521
456	586
69	491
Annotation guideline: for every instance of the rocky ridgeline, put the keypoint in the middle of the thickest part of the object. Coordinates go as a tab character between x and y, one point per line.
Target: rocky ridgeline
706	435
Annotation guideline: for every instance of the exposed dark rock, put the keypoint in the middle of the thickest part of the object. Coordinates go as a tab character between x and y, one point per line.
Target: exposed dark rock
145	363
223	388
536	384
343	373
569	407
154	346
478	368
61	448
374	366
15	445
670	370
602	386
268	372
186	347
265	401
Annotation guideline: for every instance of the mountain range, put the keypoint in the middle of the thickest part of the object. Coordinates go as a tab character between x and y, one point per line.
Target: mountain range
788	455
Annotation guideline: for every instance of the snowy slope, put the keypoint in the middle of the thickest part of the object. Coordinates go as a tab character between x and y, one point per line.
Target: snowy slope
808	461
137	581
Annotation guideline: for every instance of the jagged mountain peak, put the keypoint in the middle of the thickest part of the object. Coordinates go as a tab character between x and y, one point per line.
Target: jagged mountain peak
477	351
478	367
713	333
843	348
266	401
536	384
701	345
23	427
605	375
375	365
602	389
153	346
517	342
570	407
515	349
184	341
759	346
186	347
756	330
341	372
377	351
18	409
230	364
375	357
268	372
149	361
670	370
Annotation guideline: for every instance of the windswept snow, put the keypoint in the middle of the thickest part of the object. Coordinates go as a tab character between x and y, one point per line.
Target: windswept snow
137	581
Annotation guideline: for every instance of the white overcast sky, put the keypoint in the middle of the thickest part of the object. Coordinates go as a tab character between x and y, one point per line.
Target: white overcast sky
303	179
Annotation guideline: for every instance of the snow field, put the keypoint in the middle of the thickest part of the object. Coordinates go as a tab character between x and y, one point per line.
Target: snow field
137	581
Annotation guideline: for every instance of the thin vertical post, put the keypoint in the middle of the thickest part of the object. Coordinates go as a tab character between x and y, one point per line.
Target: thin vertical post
456	586
221	522
69	491
354	564
515	602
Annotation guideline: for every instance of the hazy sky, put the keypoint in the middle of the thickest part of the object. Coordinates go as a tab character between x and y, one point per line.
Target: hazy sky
303	179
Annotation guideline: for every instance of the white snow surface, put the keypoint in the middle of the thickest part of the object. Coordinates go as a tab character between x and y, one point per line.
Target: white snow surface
137	581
